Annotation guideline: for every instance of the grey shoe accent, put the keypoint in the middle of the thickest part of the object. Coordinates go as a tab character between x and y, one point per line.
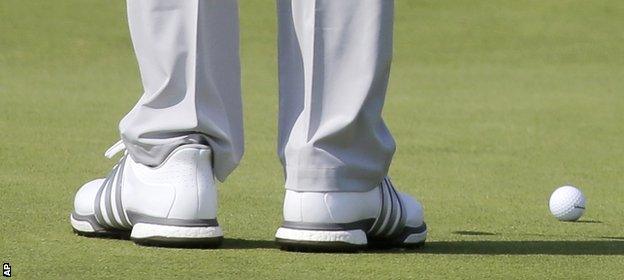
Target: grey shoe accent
96	204
400	217
89	219
114	179
120	210
378	222
392	216
173	242
110	180
399	240
363	225
136	218
98	230
407	231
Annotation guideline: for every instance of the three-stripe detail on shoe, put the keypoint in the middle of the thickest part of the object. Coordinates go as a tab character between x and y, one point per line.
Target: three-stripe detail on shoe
391	220
108	206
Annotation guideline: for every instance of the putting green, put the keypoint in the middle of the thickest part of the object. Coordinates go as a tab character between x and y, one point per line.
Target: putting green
493	104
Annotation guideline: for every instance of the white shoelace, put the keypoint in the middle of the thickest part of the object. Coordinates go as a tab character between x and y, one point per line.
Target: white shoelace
115	149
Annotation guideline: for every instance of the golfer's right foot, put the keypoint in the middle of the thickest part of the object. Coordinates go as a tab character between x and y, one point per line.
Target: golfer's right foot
173	204
350	221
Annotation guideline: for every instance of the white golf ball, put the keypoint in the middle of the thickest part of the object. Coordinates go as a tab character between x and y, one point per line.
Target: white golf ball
567	203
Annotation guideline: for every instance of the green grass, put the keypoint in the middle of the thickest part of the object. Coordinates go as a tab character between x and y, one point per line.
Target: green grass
493	104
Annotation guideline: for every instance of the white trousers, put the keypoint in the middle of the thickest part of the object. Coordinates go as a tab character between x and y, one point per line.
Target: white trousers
334	61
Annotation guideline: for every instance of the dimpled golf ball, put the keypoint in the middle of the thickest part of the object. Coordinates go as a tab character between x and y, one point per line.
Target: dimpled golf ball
567	203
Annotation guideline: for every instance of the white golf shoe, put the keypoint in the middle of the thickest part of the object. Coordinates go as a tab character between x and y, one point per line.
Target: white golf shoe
347	221
173	204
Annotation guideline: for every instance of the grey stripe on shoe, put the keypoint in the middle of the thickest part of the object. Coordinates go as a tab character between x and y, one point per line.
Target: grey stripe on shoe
391	220
107	199
136	218
399	218
407	231
120	210
104	210
361	224
383	214
91	219
97	203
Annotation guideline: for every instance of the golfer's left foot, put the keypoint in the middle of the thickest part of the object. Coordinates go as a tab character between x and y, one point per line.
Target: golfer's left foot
173	204
351	221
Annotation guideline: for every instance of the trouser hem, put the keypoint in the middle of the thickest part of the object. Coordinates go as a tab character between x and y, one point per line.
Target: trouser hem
332	179
223	161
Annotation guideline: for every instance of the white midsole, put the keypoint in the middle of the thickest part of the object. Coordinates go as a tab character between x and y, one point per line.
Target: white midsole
142	230
82	226
356	237
415	238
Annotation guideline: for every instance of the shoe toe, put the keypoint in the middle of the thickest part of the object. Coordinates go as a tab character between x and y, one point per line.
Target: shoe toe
85	197
414	211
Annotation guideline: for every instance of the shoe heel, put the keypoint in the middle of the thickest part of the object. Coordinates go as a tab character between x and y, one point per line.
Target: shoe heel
176	236
321	240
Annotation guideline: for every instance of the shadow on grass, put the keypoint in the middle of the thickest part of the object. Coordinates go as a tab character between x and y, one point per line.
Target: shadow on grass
228	243
235	243
589	222
613	245
599	247
471	232
613	237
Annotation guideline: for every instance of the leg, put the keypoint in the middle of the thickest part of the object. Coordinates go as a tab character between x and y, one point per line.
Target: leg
334	65
189	62
336	150
185	130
